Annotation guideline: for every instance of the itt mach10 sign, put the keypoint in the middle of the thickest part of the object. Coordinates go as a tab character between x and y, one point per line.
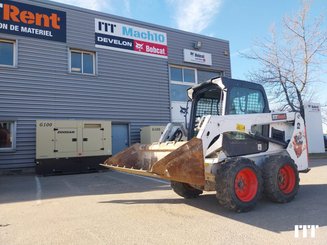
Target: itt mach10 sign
32	21
126	38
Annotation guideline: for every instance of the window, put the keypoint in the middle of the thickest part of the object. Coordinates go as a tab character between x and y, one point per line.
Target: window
179	92
189	75
181	79
245	101
7	53
82	62
176	74
182	74
204	76
7	135
208	106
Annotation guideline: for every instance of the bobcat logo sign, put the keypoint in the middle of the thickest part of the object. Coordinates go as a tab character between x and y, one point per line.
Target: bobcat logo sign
132	39
32	21
139	46
197	57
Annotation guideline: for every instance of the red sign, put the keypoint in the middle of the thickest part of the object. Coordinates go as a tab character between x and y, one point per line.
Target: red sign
276	117
150	48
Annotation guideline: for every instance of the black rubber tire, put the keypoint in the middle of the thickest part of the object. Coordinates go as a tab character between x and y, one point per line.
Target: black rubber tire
185	190
225	184
270	174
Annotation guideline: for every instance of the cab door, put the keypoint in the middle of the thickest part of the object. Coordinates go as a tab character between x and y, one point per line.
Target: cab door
241	101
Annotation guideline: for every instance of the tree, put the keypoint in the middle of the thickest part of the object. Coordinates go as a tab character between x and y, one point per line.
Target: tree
289	62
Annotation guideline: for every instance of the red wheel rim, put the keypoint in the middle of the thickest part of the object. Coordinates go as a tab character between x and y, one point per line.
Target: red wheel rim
286	179
246	185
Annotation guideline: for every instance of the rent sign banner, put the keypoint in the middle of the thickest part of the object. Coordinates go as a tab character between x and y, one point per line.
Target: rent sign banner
32	21
126	38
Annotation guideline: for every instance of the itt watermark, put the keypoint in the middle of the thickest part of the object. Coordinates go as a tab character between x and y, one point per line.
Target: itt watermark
305	231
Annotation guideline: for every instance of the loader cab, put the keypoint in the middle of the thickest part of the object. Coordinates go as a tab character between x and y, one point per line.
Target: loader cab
225	96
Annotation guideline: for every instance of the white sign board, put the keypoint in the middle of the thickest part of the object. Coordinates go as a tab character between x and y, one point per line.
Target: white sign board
313	123
132	39
197	57
313	107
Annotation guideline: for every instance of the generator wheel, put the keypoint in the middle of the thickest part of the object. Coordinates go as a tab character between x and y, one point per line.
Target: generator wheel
239	184
185	190
281	179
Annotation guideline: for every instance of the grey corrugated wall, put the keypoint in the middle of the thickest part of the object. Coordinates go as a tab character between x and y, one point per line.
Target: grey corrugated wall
127	88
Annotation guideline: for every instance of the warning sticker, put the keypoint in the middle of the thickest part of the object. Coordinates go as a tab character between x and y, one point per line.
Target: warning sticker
240	127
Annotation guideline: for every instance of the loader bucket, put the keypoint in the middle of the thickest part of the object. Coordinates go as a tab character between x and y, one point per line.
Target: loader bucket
177	161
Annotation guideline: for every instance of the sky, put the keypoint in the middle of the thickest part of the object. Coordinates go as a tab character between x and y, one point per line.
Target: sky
238	21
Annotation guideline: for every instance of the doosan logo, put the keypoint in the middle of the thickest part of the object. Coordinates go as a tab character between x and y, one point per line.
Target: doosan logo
65	132
15	14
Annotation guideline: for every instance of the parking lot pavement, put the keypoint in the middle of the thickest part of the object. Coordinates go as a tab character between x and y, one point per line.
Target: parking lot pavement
115	208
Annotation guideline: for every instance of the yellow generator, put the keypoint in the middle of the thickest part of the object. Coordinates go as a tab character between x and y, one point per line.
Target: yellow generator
151	134
71	146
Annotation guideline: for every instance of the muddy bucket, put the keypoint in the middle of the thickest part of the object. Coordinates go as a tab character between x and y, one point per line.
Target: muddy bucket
177	161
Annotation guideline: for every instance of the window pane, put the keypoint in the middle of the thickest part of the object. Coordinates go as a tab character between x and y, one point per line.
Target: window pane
6	53
76	62
178	92
204	76
6	135
88	63
208	106
176	74
189	75
245	101
255	102
208	102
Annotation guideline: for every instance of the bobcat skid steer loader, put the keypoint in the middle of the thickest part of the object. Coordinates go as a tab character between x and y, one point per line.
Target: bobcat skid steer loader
235	146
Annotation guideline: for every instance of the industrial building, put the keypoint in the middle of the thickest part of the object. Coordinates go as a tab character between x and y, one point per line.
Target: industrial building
59	62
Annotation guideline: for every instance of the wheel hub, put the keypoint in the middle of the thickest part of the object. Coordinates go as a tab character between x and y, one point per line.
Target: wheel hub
246	184
286	179
241	184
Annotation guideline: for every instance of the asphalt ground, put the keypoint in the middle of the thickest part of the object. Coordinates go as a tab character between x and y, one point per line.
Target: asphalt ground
116	208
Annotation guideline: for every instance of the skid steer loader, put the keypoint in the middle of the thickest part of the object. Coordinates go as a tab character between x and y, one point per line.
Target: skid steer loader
235	146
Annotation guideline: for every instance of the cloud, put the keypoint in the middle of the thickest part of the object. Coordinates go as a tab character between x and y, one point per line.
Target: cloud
99	5
107	6
195	15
